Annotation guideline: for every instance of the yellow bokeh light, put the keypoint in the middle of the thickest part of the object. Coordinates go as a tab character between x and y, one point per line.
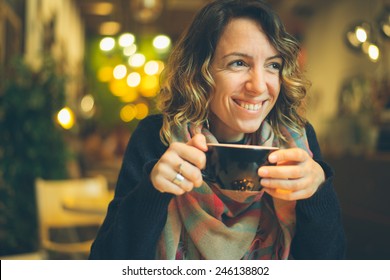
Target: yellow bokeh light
109	28
105	74
161	66
130	96
120	71
137	60
65	118
151	67
128	112
142	111
130	50
149	86
134	79
118	87
101	9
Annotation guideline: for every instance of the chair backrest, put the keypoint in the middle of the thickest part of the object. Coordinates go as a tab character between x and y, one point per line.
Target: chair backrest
52	213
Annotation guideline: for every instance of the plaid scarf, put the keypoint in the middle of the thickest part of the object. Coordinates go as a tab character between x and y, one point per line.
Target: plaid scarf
211	223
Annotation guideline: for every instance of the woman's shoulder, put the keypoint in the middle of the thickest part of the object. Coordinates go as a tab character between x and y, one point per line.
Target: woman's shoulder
152	120
147	135
151	123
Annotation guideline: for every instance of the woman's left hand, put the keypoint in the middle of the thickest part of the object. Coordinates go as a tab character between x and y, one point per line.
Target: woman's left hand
295	174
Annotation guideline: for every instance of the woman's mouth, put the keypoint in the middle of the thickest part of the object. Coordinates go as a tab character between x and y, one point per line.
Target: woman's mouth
249	106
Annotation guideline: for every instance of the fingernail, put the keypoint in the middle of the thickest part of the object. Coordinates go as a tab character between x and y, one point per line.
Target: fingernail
263	172
272	158
264	182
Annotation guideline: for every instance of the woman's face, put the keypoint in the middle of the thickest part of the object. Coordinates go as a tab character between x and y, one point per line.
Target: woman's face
246	71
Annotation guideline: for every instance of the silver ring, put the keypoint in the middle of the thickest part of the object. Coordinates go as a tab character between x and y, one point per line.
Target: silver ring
178	179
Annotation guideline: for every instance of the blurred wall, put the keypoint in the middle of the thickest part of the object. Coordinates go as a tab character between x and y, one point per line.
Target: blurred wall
330	61
56	27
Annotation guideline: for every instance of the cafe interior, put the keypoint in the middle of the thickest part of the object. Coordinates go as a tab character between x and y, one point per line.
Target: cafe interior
78	75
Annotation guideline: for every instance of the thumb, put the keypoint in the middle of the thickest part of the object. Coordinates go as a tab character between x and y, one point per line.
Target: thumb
198	141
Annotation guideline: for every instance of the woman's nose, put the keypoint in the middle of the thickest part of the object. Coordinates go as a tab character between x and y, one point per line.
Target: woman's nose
256	83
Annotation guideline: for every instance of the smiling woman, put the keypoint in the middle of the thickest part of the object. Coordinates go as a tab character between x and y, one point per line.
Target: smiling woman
232	77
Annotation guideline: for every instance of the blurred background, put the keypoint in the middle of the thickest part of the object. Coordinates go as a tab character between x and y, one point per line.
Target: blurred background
76	76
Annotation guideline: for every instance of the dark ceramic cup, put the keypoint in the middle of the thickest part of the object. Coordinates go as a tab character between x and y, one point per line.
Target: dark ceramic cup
234	167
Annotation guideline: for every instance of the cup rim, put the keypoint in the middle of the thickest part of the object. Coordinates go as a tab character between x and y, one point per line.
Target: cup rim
241	146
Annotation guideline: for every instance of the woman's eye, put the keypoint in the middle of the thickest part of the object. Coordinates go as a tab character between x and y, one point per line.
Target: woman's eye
237	63
276	66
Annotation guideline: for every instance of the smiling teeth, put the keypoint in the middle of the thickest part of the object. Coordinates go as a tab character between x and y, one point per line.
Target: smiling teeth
251	107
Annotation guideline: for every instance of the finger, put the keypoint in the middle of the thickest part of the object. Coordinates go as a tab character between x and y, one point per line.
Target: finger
169	187
189	153
170	181
198	141
279	194
288	195
171	164
182	182
191	173
283	155
281	172
288	185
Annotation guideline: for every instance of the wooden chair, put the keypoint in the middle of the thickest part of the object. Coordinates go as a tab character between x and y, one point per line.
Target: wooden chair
60	211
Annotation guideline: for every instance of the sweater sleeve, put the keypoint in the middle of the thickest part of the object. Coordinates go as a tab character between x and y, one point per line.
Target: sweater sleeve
319	229
138	212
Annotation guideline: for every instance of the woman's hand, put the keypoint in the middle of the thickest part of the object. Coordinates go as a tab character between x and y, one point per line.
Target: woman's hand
295	176
179	168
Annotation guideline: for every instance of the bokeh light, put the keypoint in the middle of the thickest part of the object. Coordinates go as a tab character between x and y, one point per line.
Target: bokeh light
151	67
130	96
361	34
107	44
149	86
373	52
137	60
87	103
126	40
105	74
142	110
118	87
161	42
65	118
120	71
128	112
134	79
130	50
87	106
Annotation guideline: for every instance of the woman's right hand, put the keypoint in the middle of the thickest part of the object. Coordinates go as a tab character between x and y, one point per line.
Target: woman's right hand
185	159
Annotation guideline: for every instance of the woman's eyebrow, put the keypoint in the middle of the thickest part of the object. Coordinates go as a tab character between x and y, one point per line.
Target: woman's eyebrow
277	56
237	54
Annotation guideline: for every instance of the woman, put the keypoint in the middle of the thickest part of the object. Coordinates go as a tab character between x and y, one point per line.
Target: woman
232	78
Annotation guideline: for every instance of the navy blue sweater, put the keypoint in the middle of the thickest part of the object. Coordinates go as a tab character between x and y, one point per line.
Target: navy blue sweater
138	212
